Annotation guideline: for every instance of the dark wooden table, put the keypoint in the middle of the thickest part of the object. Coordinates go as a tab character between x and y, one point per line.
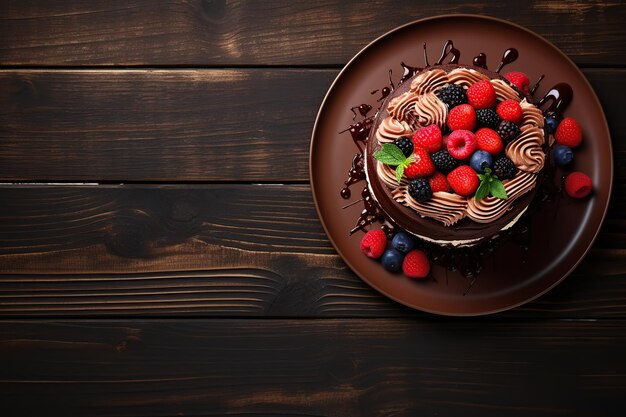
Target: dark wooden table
149	265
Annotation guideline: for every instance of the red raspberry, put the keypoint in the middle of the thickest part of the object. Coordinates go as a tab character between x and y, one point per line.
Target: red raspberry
416	264
578	185
428	138
569	133
462	117
510	110
374	243
488	140
461	144
481	95
463	180
519	80
438	182
422	166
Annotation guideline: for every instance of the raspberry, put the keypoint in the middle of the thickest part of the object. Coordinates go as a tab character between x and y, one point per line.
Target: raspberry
422	166
406	145
428	138
438	182
481	95
463	180
420	190
508	131
487	118
443	161
374	243
462	117
504	168
452	95
488	140
461	144
510	110
519	80
578	185
569	133
416	264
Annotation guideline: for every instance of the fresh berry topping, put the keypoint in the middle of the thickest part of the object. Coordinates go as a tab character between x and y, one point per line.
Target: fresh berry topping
452	95
392	260
488	140
461	144
508	131
510	110
480	161
438	182
420	190
569	133
405	144
403	242
481	95
562	155
487	118
415	264
428	138
504	168
463	180
462	117
551	124
421	166
519	80
374	243
443	161
578	185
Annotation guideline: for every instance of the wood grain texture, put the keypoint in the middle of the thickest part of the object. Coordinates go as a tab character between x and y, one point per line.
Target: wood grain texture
222	250
218	32
313	368
182	125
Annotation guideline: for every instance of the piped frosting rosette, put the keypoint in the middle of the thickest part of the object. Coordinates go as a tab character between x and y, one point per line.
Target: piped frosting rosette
420	107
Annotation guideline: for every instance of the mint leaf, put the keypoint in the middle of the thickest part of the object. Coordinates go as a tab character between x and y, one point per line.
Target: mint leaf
497	190
390	154
399	172
482	177
482	191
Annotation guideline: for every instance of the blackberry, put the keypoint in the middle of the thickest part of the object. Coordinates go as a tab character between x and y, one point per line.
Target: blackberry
452	95
508	131
406	145
420	190
487	118
443	161
504	168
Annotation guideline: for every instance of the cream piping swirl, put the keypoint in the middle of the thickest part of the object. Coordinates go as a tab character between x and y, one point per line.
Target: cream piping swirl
429	81
465	77
504	91
430	110
445	207
390	129
525	151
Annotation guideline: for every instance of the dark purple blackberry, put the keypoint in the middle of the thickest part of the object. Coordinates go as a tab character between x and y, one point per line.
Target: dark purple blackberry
487	118
420	190
406	145
504	168
452	95
443	161
508	131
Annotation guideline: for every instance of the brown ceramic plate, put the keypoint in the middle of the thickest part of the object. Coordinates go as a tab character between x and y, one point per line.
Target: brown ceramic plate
559	238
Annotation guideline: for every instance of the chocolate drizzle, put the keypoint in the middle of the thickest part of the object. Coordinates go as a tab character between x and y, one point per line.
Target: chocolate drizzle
480	60
509	56
536	85
449	49
559	96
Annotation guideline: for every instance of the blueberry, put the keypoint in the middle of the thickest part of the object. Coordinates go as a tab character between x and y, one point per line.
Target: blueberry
551	124
480	161
392	260
403	242
562	155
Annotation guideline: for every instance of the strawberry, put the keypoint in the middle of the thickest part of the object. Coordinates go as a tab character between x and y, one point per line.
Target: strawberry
481	95
463	180
416	264
488	140
438	182
569	133
461	144
578	185
510	110
428	138
421	166
519	80
462	117
374	243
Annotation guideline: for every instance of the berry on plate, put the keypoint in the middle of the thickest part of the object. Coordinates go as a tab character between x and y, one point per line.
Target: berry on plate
462	117
569	133
374	243
481	95
508	131
420	190
519	80
392	260
504	168
578	185
488	140
480	161
403	242
421	166
461	144
510	110
416	264
438	182
487	118
463	180
452	95
405	144
428	138
443	161
562	155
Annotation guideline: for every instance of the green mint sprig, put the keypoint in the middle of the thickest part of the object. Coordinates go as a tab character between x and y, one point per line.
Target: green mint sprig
490	185
390	154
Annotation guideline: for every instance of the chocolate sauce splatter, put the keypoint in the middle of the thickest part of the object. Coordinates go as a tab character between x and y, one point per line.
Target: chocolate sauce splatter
356	174
480	60
449	49
509	56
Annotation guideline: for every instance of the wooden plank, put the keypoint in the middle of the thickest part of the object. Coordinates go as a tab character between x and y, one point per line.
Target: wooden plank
185	125
313	368
203	32
222	250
